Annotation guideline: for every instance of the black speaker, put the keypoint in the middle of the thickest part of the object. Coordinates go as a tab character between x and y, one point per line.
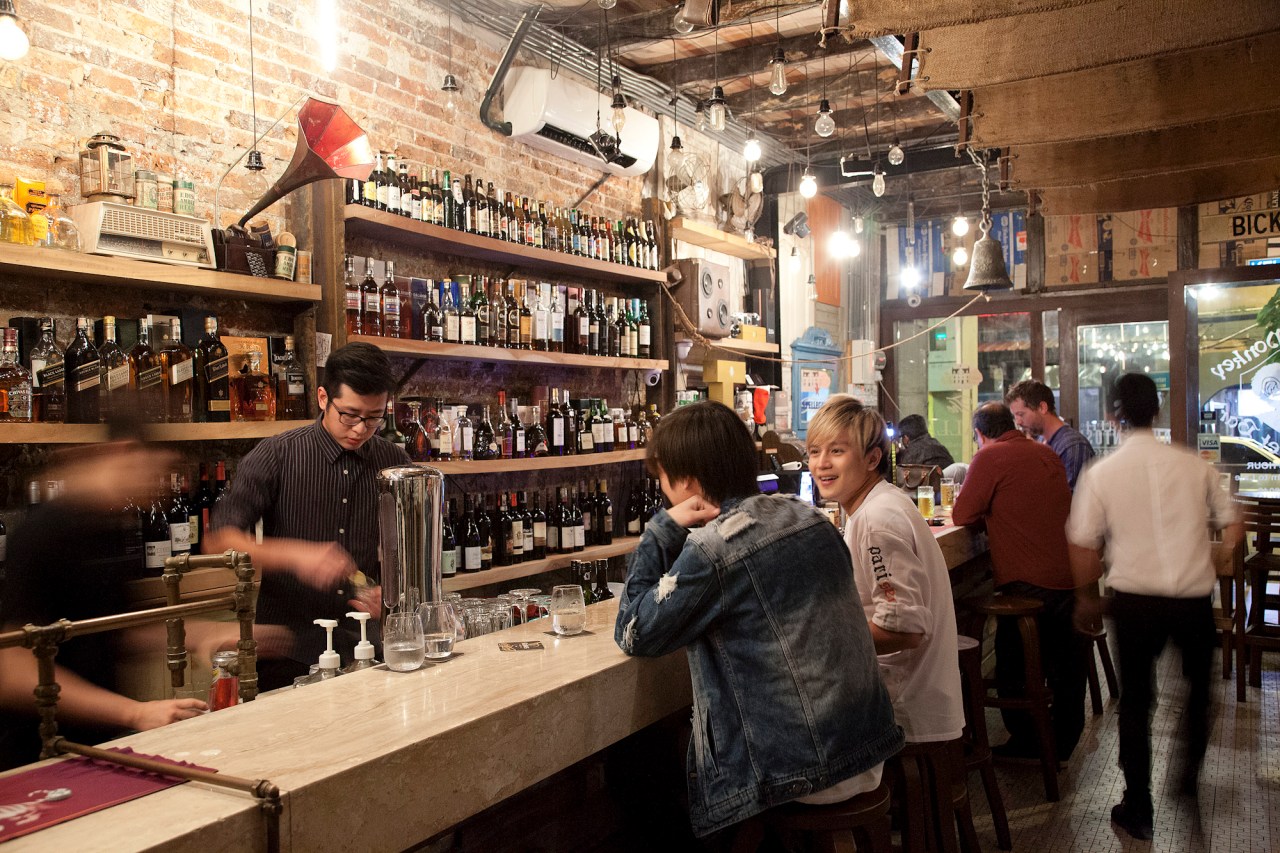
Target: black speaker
704	296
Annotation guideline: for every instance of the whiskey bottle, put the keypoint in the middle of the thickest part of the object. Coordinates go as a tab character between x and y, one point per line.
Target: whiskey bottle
352	298
291	386
371	321
82	369
253	397
113	386
467	326
502	431
519	435
644	332
433	316
390	431
452	318
212	401
391	185
442	437
526	320
513	317
535	435
49	390
179	370
15	382
146	376
390	299
485	441
541	321
416	440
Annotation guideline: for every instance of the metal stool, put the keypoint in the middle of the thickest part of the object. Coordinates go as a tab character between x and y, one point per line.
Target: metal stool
977	754
1099	639
1038	700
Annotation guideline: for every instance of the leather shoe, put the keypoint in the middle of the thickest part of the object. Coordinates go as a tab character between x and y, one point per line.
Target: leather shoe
1129	819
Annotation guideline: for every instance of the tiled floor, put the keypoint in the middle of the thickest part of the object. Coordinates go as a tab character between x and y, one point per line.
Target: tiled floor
1239	804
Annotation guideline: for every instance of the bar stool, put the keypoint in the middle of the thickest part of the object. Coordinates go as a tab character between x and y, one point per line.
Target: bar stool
977	755
1099	639
859	823
1037	700
929	780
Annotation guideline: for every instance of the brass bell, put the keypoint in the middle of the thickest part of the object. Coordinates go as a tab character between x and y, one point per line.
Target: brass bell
987	271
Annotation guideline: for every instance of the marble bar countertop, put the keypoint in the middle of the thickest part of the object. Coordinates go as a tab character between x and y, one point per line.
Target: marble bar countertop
380	760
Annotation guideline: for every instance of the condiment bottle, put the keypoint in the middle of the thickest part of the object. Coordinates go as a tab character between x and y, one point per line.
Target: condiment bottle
329	660
364	648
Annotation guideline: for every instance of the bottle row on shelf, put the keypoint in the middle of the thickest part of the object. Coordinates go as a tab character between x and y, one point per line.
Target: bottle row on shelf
509	528
467	205
168	382
466	432
479	310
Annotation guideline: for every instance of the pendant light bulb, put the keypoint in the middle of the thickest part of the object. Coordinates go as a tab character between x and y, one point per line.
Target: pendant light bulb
675	156
14	43
751	150
716	112
778	72
607	4
795	259
450	89
960	225
838	245
811	288
825	125
854	247
700	112
808	184
858	225
255	184
896	154
681	24
618	105
959	256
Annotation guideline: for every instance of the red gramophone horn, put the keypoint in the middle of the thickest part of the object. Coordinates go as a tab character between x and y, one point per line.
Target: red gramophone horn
330	145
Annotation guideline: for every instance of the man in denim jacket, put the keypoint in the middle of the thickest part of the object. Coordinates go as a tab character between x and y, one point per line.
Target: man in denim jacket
787	698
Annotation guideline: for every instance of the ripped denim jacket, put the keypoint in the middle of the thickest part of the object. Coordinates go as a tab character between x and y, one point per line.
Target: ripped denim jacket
787	696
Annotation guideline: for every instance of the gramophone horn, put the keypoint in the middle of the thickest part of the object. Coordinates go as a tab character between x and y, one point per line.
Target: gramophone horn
330	145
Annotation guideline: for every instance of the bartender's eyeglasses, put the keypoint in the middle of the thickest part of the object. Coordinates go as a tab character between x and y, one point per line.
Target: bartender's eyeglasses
351	419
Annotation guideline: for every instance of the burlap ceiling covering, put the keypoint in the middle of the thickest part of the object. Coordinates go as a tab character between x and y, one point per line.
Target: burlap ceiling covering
1026	47
1168	190
1215	143
1145	94
888	17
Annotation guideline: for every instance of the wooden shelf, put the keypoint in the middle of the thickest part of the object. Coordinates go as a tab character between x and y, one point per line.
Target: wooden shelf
89	433
380	225
540	463
709	237
467	352
58	265
471	580
739	345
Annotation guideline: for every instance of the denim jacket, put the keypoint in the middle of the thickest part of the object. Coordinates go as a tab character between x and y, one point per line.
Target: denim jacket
787	696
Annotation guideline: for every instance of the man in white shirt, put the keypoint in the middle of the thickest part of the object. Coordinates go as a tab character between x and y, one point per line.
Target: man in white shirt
1150	505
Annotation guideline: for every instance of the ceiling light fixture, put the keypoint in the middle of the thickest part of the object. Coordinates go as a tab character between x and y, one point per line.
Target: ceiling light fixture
680	23
619	103
858	225
959	256
778	69
825	125
607	4
896	154
450	84
808	183
751	149
877	182
716	111
960	225
14	43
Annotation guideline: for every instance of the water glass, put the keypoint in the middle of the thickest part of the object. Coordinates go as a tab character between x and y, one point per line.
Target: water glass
403	645
568	610
439	629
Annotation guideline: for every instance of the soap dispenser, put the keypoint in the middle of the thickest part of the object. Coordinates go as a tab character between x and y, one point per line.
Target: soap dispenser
364	648
329	660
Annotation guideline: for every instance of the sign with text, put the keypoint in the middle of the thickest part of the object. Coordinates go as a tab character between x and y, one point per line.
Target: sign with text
1243	225
962	376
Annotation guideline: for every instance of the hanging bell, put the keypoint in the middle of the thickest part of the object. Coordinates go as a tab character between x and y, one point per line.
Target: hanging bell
987	271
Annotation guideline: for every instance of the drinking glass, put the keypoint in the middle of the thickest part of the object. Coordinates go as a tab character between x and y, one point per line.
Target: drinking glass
515	606
526	595
403	645
568	610
948	494
924	500
439	629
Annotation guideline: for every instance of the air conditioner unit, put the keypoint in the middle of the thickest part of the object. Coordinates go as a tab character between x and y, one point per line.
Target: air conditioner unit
557	114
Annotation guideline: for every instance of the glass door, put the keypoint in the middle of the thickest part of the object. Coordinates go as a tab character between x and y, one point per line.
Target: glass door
1104	352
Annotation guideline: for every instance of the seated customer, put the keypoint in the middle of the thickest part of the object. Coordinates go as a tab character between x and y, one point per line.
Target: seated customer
899	569
920	448
787	700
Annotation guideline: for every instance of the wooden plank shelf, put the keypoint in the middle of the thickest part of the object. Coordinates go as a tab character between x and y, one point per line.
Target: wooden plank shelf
380	225
58	265
538	463
471	580
709	237
739	345
467	352
88	433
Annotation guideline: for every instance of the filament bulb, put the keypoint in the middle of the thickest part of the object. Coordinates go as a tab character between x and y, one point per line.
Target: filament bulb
877	184
896	154
778	73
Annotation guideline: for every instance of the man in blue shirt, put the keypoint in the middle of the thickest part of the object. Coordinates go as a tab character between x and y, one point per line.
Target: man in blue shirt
1033	410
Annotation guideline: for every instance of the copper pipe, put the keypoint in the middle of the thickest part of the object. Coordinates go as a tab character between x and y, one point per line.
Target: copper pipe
68	630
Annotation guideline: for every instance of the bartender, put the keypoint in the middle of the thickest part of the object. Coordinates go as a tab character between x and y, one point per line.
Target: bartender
314	488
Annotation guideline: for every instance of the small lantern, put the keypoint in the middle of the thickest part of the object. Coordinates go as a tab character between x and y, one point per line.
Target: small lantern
106	169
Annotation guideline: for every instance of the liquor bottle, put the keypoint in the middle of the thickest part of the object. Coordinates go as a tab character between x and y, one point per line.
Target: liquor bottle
526	320
482	209
579	524
291	386
253	395
540	226
602	591
552	234
538	523
464	435
597	427
406	313
580	326
512	309
513	221
15	383
644	332
442	439
617	327
353	298
633	432
157	545
557	435
433	316
371	321
113	372
503	432
472	545
619	244
557	320
486	524
202	503
178	515
619	430
495	214
593	324
175	359
211	402
607	430
389	302
541	321
502	533
486	444
602	514
390	431
449	213
219	480
480	306
405	190
466	312
414	209
448	545
519	435
452	317
536	436
655	256
633	328
369	189
417	442
521	508
424	192
635	510
82	369
593	240
586	432
389	192
48	387
518	531
563	523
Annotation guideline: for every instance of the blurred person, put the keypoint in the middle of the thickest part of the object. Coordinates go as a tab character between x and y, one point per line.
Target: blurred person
315	490
920	448
1016	489
898	567
788	703
1033	408
1148	506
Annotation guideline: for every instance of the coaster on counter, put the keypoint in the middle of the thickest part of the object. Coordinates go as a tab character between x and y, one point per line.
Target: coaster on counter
522	646
583	633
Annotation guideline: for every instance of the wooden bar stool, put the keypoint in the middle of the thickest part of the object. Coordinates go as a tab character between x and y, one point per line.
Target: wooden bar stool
857	825
977	753
1037	700
931	797
1099	639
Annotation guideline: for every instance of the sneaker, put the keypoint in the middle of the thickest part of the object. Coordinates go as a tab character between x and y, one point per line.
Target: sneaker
1131	821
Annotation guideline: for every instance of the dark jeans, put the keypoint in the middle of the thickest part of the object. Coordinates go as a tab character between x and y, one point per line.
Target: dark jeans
1143	623
1063	659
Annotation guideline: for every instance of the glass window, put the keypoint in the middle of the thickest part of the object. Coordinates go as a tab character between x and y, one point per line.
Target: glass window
1105	352
1052	350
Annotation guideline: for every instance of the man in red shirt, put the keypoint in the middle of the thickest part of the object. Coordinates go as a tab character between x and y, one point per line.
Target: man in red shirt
1017	489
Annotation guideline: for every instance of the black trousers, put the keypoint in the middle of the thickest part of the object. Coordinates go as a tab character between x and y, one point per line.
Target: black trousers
1063	658
1143	624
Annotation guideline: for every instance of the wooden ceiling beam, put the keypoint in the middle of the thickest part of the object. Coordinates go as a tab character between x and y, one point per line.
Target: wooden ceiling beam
907	113
645	28
743	61
860	85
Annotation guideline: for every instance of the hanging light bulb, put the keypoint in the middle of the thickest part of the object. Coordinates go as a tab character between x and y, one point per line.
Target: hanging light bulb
877	183
854	247
825	125
960	256
450	88
838	244
751	150
808	184
681	24
960	225
811	288
255	183
14	43
778	72
857	225
619	104
896	154
910	278
716	112
607	4
795	259
700	113
675	155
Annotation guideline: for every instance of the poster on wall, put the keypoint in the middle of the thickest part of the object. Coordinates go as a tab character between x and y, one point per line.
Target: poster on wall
815	390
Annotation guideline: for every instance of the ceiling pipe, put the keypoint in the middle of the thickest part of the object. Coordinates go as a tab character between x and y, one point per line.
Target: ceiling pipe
500	73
